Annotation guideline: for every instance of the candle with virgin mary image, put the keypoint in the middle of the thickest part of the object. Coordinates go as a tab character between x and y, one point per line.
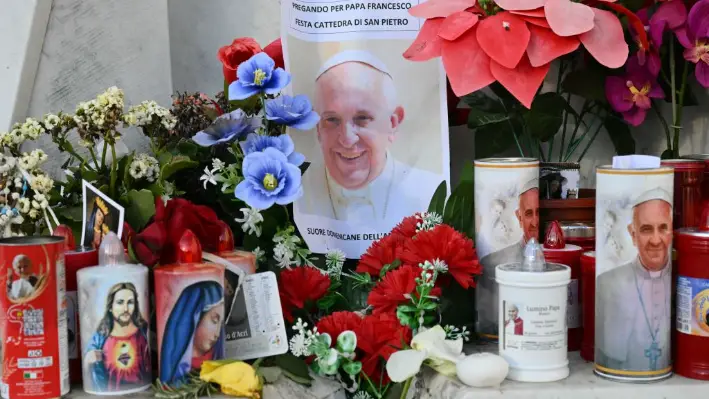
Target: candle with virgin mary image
189	299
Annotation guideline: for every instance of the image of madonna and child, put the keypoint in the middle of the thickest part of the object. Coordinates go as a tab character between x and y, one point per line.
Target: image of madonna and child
98	223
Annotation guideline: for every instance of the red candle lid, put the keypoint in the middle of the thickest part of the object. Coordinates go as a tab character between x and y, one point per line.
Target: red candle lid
64	231
225	241
188	248
555	237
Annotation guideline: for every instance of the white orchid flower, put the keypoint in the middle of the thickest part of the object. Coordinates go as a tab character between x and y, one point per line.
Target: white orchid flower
428	345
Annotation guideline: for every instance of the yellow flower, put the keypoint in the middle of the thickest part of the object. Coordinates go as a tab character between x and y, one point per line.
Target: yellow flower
234	377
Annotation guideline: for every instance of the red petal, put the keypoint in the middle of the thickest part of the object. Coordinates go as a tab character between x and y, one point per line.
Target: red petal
427	44
605	41
536	13
504	37
522	81
515	5
456	24
537	21
467	66
440	8
567	18
545	46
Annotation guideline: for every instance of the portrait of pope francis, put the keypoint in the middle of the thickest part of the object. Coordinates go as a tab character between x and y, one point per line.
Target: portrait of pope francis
358	179
633	299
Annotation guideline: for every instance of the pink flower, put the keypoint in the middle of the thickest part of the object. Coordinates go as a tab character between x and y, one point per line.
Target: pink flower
697	48
631	94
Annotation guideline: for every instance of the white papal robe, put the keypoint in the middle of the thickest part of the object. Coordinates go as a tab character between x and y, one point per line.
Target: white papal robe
399	191
632	312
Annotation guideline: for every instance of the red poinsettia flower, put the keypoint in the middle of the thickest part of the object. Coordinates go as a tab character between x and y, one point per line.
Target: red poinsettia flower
445	243
300	286
394	288
378	336
515	46
338	322
381	253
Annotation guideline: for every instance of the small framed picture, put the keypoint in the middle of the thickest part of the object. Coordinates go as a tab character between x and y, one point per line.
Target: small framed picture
101	215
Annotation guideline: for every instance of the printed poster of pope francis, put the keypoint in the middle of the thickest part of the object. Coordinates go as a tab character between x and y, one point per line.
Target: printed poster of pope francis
380	149
634	276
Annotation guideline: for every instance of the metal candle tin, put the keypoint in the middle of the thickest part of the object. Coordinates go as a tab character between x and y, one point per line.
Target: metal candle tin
532	327
114	324
692	339
582	234
633	273
588	303
189	300
33	322
506	216
689	175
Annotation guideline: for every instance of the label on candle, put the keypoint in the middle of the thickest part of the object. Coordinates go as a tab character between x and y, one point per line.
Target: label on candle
573	308
254	325
533	327
693	306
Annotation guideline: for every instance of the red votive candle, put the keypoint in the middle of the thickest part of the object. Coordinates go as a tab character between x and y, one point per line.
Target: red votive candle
588	302
705	181
692	325
689	175
556	250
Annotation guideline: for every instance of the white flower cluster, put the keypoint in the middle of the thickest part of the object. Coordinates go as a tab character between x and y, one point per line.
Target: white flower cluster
145	167
334	260
149	112
285	250
454	333
99	115
362	395
300	343
251	221
32	160
429	220
30	129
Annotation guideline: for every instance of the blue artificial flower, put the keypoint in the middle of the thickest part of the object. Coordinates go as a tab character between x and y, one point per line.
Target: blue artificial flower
227	128
283	143
296	112
258	75
269	178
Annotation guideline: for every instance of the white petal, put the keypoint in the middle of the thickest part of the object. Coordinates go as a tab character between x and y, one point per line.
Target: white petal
403	365
434	341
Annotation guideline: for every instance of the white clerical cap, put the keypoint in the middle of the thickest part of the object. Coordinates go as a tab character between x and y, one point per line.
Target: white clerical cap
364	57
656	193
530	185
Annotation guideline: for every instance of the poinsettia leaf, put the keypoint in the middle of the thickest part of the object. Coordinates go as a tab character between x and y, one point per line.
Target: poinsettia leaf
619	133
588	82
176	164
546	116
491	140
438	201
140	208
294	368
468	173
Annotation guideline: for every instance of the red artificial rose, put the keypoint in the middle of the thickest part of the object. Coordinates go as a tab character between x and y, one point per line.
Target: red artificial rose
394	288
180	215
127	235
275	51
378	337
381	253
233	55
299	286
445	243
408	226
337	323
149	244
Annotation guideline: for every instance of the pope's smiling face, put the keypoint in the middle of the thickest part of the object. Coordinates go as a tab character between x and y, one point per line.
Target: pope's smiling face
651	231
359	120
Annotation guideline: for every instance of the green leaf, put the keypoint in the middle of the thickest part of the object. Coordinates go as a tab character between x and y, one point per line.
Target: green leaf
619	133
164	158
294	367
175	165
352	368
75	213
127	178
459	212
468	173
493	139
326	302
188	148
429	306
588	83
546	116
509	101
484	110
141	207
303	167
438	201
395	391
407	308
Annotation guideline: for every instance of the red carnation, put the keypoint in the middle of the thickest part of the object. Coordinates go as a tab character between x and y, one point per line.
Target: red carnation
337	323
394	288
378	337
445	243
381	253
407	227
300	286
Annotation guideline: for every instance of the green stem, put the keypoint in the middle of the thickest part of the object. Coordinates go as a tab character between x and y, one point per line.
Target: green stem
257	363
678	123
103	154
673	86
563	129
584	108
405	391
514	135
114	168
541	152
93	157
663	121
593	138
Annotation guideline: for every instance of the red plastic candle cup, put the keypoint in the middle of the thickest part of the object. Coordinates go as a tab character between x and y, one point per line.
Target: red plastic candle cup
692	325
75	259
556	250
244	260
689	175
582	234
189	300
705	181
588	302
